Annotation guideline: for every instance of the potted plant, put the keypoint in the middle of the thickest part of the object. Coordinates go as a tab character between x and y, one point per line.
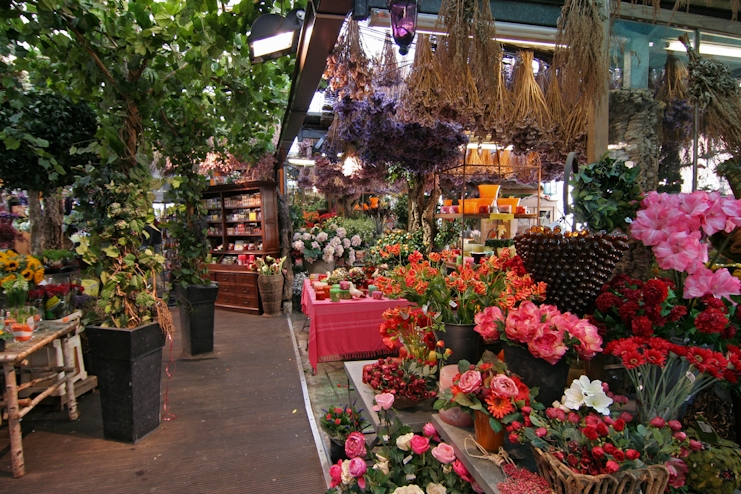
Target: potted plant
270	284
338	422
58	259
195	292
492	394
127	337
320	247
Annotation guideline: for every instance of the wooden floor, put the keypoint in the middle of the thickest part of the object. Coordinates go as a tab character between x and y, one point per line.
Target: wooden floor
241	426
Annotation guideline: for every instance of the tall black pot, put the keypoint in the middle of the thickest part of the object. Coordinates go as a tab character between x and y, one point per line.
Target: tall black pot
197	317
128	364
462	340
536	372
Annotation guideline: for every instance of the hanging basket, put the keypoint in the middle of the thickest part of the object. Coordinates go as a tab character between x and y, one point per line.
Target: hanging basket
271	293
652	479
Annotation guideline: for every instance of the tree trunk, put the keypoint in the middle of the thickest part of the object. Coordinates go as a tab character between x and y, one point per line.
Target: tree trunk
52	218
34	216
422	208
286	234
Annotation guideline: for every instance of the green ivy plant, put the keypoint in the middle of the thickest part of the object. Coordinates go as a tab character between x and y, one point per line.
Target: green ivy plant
605	194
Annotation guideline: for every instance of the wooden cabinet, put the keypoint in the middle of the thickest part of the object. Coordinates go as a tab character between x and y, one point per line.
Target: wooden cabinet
237	288
242	220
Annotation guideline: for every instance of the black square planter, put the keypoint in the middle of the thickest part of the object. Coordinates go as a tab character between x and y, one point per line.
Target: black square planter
196	306
128	364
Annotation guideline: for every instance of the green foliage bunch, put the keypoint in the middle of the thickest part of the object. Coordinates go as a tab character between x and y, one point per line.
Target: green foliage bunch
363	226
715	468
448	233
189	227
118	209
605	194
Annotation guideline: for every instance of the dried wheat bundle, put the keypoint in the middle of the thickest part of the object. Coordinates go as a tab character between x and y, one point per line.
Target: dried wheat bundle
349	71
386	70
530	119
421	99
716	91
460	102
486	59
674	81
579	53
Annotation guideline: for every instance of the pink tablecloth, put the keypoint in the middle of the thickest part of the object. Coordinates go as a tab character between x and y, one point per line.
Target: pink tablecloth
344	330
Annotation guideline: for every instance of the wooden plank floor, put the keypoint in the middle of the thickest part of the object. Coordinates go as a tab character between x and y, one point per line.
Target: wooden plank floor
241	426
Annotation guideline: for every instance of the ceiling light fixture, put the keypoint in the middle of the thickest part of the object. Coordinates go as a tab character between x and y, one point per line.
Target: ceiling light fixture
707	49
273	36
301	162
403	20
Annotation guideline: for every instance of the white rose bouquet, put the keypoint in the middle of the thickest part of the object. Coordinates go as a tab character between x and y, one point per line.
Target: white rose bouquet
327	243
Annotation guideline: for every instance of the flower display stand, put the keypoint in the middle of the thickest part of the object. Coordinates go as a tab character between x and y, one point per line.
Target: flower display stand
648	480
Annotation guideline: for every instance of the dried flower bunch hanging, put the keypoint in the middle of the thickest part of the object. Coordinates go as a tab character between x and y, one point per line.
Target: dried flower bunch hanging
712	87
460	97
530	121
579	56
386	70
486	59
419	102
349	70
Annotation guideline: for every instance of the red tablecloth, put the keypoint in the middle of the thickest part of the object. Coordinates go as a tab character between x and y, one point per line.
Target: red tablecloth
344	330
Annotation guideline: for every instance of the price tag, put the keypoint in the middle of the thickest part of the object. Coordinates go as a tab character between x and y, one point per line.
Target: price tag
407	460
704	427
690	376
453	304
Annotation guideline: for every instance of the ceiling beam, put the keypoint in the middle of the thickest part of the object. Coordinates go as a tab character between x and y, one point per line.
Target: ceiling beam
322	26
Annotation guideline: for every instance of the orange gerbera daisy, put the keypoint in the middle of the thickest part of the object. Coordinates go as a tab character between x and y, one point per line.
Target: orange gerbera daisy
499	406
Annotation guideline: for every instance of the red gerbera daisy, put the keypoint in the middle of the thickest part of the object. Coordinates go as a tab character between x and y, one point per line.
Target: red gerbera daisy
655	357
633	359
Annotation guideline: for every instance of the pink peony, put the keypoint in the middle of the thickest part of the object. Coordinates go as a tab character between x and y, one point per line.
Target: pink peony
420	444
503	386
714	219
470	381
523	322
355	445
444	453
548	344
590	342
732	209
487	323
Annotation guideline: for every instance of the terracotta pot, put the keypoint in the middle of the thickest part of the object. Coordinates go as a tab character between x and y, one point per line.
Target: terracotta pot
484	434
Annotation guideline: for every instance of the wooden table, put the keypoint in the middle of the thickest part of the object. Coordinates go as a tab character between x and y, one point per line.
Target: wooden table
13	360
415	417
344	330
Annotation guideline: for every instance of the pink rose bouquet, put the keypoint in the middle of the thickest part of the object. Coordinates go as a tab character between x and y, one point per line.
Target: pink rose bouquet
405	461
489	388
545	331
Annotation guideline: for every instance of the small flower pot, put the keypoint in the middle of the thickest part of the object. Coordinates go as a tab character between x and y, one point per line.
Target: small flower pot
22	332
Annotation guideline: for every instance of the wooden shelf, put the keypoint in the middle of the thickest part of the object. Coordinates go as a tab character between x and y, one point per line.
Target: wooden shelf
241	207
487	216
229	235
243	221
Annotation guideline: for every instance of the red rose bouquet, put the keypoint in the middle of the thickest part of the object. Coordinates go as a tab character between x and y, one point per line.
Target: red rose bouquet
629	307
490	388
591	434
411	378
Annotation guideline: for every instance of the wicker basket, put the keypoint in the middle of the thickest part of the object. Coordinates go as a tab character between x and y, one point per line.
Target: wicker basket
271	293
648	480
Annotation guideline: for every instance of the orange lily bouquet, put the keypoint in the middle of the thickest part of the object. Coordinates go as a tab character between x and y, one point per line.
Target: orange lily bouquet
456	297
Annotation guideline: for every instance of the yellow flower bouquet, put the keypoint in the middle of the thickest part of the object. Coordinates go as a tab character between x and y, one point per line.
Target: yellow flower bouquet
12	264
